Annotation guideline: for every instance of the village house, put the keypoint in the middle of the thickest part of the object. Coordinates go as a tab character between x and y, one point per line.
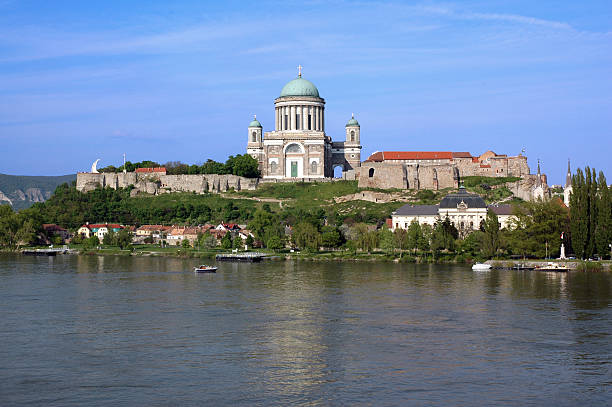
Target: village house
98	229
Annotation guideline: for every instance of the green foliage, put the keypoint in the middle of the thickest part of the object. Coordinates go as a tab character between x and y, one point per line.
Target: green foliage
306	236
71	208
265	225
16	229
124	238
491	238
226	242
478	181
444	235
590	214
331	237
91	242
536	226
275	243
185	244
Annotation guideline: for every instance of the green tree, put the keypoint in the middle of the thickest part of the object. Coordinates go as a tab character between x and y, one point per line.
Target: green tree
414	235
275	243
249	241
401	239
109	238
603	225
226	241
123	238
331	237
245	166
91	242
386	240
238	243
185	244
306	236
491	236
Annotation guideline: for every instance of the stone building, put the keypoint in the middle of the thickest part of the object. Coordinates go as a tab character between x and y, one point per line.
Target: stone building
299	147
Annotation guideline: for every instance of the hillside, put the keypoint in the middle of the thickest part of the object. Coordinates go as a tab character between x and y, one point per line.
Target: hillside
22	191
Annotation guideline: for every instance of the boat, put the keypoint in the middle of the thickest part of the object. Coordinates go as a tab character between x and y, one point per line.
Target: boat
205	269
481	267
552	267
521	266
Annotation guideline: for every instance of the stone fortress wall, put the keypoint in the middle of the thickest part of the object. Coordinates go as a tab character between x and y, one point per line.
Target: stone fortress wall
155	184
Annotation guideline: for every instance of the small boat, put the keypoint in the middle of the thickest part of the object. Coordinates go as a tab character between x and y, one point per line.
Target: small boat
552	267
481	267
205	269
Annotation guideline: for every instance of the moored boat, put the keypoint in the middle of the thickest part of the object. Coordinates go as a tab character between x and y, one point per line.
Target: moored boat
481	267
553	267
205	269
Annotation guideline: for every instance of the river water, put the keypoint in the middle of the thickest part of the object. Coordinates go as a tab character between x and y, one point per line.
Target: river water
90	330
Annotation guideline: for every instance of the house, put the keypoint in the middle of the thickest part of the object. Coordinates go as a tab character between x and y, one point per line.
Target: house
176	235
229	227
98	229
152	230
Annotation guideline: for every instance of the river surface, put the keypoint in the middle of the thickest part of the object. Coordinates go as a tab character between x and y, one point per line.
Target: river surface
90	330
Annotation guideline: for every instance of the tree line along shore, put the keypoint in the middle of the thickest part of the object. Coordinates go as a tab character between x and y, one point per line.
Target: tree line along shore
309	217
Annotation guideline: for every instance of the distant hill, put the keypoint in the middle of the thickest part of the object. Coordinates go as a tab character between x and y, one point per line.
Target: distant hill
22	191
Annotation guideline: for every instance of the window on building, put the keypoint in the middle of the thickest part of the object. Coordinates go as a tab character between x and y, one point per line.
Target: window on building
313	167
309	122
371	172
286	121
298	122
352	135
254	137
273	167
293	148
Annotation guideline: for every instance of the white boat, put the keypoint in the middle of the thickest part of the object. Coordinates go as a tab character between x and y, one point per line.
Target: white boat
481	267
552	267
205	269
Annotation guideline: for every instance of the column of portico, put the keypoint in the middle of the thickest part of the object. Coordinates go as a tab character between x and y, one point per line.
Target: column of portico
319	124
276	119
322	119
304	117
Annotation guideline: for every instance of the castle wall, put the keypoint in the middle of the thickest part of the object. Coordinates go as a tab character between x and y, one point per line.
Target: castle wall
145	183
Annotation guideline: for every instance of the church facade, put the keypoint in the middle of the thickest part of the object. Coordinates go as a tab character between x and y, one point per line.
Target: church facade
299	148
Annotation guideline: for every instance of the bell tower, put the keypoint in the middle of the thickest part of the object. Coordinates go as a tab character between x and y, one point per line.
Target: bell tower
352	131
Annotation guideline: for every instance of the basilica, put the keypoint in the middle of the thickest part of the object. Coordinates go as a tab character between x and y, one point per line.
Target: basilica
299	147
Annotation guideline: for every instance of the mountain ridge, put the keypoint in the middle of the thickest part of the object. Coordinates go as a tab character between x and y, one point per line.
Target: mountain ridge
22	191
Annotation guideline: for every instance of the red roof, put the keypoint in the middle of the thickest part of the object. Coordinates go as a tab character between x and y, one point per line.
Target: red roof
462	154
146	170
411	155
100	225
485	166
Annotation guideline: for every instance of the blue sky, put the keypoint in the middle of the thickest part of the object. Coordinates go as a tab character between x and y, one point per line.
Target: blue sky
168	81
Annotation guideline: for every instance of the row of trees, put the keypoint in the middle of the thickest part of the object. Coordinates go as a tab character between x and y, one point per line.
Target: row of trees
591	214
17	229
242	165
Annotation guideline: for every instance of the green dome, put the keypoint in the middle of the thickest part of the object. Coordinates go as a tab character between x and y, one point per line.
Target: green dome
255	123
352	122
300	87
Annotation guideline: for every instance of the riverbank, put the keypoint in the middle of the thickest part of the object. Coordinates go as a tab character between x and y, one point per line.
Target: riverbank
332	256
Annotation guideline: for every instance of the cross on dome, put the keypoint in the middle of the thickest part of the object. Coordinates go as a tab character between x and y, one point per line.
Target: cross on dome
300	71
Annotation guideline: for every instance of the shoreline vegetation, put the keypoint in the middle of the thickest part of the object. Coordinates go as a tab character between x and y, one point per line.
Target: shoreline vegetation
329	256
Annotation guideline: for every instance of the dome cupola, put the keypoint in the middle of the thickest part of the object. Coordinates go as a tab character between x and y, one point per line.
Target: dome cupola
352	122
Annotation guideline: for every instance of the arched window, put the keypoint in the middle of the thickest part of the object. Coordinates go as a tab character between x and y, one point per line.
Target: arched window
254	136
293	148
313	167
352	135
371	172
